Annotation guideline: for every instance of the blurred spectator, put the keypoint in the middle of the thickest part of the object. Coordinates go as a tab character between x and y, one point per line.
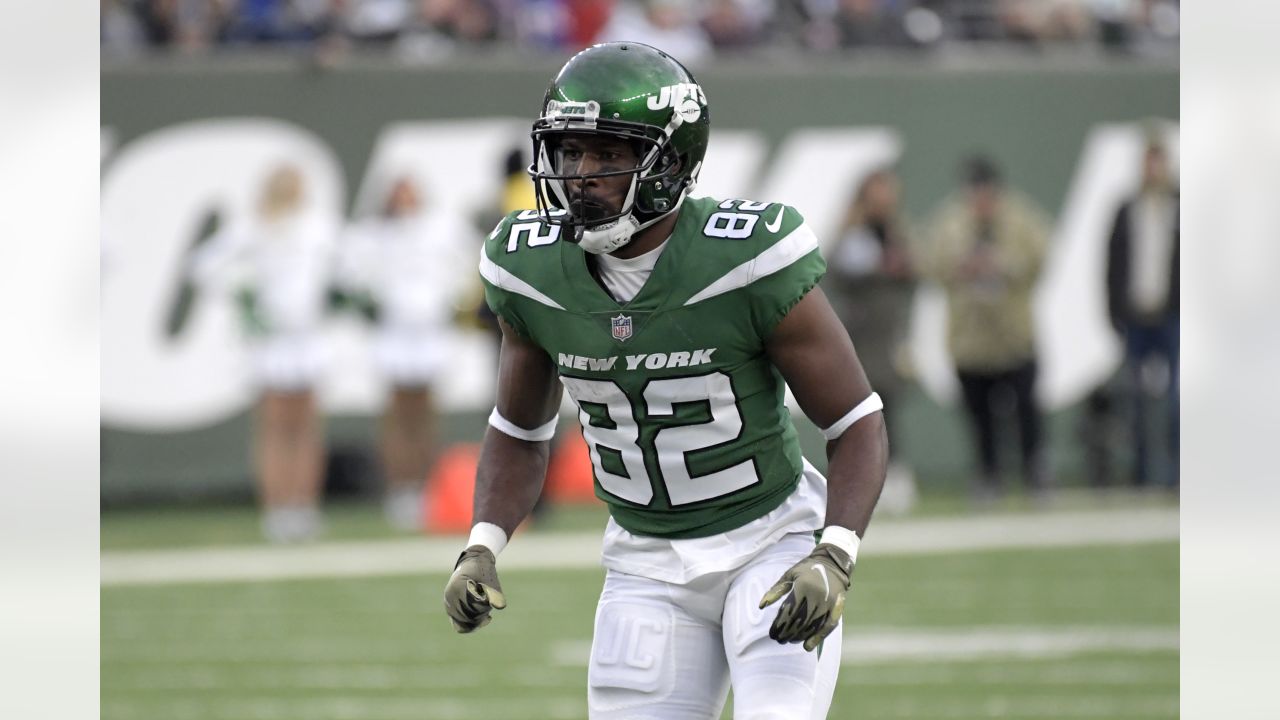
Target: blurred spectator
436	28
864	23
1160	21
476	21
402	266
373	21
517	186
281	21
1137	25
1102	435
870	281
120	30
586	19
515	192
279	262
973	20
1142	301
1037	21
185	24
561	24
159	21
987	247
543	24
668	25
464	21
810	23
735	24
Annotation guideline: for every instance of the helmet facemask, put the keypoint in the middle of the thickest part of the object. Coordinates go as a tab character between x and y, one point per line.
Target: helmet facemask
654	179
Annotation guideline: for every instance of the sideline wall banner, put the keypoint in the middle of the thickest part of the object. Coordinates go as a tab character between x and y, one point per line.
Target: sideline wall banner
181	144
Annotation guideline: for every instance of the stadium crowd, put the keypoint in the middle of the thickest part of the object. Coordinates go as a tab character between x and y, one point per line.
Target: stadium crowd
430	30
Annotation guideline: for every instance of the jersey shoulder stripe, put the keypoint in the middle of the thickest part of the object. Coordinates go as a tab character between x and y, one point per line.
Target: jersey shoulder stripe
792	247
503	279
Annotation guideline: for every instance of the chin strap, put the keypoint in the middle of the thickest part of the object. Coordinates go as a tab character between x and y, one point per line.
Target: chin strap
604	239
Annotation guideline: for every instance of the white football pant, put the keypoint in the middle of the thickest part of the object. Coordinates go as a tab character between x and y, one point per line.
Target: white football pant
671	652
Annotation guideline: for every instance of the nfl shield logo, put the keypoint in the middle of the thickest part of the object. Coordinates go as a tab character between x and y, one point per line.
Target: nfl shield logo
621	327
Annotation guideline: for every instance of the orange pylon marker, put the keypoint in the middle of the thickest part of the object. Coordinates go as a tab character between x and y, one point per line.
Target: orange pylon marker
450	486
569	474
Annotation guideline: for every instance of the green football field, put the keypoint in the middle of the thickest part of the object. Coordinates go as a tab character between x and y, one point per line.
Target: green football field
1075	632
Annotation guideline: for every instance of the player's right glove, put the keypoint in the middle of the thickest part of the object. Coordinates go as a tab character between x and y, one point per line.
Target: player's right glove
473	590
815	589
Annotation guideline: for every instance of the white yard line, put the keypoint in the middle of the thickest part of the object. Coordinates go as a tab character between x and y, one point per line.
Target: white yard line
877	646
582	550
870	646
344	707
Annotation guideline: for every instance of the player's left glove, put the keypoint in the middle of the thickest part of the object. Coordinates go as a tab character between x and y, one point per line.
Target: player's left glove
473	590
815	589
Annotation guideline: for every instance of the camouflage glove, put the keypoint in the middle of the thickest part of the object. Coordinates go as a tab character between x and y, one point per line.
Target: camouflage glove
815	589
473	590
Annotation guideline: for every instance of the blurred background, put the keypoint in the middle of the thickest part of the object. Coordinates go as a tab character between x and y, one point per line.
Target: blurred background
297	367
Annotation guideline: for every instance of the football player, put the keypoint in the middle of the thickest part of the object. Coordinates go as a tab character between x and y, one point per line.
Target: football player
673	323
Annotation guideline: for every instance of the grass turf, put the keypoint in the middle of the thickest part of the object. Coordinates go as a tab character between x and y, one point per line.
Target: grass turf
381	648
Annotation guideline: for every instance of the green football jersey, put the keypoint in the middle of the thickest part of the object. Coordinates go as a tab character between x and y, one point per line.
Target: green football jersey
680	407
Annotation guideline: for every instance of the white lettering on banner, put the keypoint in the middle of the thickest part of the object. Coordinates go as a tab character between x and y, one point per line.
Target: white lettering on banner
106	144
152	204
734	158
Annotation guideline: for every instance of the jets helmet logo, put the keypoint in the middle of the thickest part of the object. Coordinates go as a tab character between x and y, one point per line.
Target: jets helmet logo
687	99
621	327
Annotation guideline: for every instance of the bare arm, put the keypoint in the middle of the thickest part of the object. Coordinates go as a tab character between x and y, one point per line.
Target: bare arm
211	260
813	352
510	473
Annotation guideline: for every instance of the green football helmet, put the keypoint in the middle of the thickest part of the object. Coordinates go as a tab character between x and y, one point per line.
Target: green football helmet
635	93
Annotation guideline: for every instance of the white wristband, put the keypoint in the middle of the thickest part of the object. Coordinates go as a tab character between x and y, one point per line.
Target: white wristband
488	535
843	538
506	427
863	409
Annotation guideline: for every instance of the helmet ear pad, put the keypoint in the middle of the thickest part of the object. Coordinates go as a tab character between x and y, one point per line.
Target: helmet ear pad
657	193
